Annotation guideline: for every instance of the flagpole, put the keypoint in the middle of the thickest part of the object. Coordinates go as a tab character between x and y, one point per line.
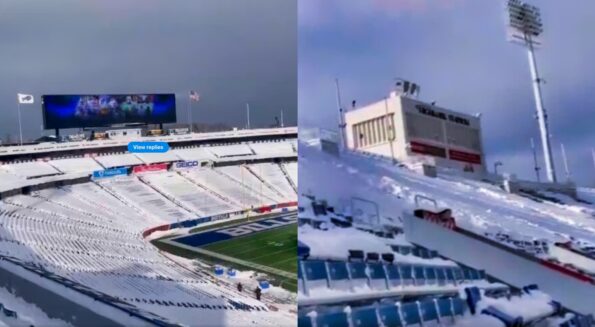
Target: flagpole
19	114
190	112
248	115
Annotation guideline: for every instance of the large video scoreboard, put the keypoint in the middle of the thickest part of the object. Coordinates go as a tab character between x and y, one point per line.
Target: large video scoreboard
99	110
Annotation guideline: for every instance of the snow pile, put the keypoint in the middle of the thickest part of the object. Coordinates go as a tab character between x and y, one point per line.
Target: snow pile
529	306
476	205
345	239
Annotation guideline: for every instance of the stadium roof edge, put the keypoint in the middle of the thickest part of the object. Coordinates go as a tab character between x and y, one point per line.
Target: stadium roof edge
88	145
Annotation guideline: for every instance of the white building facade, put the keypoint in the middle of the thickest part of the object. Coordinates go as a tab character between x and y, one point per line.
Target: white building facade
413	131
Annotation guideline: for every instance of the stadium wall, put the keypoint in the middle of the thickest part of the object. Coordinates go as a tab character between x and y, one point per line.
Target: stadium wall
198	221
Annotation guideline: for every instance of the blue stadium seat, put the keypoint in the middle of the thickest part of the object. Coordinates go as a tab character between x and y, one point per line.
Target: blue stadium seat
430	275
338	275
333	319
410	313
420	278
315	273
394	275
458	306
474	274
364	317
450	276
406	274
428	310
390	316
441	275
404	250
359	277
377	276
458	273
444	308
300	278
304	321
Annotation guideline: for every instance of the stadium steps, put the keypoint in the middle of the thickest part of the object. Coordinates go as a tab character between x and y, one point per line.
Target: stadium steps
262	180
284	170
167	196
209	190
244	185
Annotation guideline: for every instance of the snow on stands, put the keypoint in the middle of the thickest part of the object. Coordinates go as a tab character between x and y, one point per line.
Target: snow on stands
233	150
118	160
31	169
84	234
274	176
152	157
273	149
247	177
16	312
76	165
187	194
226	187
292	171
360	271
194	154
477	206
141	196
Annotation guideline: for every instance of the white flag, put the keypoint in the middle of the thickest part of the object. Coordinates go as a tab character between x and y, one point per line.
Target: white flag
25	98
194	96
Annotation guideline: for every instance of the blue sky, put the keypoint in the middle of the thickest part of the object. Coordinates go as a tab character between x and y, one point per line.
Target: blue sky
457	51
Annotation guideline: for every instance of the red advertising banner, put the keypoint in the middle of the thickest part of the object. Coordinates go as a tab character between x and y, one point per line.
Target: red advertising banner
422	148
464	156
153	167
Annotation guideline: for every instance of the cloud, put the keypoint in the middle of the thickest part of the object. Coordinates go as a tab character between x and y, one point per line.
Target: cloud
231	53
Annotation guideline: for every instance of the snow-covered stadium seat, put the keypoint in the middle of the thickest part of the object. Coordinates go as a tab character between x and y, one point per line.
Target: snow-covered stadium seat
118	160
31	169
76	165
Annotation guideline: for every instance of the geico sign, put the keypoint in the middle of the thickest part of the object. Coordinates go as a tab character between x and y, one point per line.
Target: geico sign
186	164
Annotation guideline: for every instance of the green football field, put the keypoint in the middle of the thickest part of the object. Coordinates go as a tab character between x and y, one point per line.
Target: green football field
276	248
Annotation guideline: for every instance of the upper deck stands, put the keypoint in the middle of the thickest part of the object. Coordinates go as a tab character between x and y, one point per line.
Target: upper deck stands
76	165
118	160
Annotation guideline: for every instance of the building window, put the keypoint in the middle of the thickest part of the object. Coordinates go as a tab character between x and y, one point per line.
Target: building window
373	132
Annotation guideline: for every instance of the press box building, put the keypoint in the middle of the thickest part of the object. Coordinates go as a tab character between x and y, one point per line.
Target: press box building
410	130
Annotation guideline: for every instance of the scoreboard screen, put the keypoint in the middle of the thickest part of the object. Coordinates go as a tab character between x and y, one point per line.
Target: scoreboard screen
97	110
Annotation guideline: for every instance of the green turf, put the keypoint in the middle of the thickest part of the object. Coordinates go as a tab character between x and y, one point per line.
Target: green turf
275	248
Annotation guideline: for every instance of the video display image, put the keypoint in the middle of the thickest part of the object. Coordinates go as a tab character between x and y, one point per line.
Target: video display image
78	111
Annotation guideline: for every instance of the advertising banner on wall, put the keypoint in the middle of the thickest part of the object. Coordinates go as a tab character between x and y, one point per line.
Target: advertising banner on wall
146	168
98	174
180	165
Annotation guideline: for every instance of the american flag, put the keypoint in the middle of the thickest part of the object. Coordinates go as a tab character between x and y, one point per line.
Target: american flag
194	96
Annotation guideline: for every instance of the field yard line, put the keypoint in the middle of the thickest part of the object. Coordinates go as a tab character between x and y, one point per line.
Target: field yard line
271	270
286	260
245	244
271	253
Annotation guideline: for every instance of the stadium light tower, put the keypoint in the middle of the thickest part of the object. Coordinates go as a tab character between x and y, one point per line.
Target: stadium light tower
525	27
